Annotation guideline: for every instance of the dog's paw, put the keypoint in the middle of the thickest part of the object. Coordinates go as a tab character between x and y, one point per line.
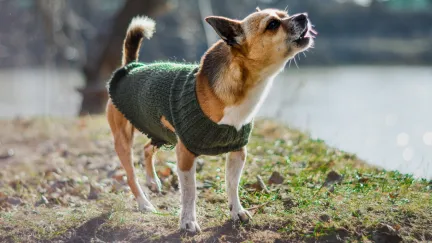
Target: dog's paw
146	206
241	215
154	184
190	226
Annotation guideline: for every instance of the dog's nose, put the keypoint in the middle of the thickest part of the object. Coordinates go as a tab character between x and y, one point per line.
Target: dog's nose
301	19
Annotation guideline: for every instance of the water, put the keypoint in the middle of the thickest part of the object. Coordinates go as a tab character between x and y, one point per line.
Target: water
35	92
383	114
380	113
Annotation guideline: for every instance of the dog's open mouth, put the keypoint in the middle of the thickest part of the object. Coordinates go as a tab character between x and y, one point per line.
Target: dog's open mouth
307	33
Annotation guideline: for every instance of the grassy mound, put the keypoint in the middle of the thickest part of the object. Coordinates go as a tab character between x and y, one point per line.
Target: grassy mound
60	180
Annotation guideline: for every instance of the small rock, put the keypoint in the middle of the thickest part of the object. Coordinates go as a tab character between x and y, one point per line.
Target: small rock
276	178
63	150
9	153
110	173
164	206
3	197
200	164
324	217
386	233
333	178
289	202
208	184
43	201
310	185
54	195
174	183
267	210
118	187
15	184
15	201
199	185
300	164
94	193
119	176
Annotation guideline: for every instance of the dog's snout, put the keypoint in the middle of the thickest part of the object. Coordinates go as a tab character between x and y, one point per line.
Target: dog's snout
301	19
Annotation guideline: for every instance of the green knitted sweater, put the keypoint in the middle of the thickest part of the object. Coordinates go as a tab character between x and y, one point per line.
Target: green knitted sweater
146	92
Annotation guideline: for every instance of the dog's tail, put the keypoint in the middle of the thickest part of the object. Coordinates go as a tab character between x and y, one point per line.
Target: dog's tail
140	27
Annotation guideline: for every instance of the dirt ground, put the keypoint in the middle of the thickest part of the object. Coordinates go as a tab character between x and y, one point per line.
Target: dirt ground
61	181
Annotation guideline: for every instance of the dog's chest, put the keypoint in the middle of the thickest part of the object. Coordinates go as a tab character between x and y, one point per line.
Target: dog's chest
243	113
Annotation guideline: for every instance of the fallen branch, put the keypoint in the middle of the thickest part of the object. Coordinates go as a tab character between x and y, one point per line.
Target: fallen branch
262	184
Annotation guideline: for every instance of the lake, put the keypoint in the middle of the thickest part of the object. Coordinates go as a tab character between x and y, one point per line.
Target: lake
382	114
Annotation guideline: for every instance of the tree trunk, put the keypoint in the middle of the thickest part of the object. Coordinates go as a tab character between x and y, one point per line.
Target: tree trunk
100	65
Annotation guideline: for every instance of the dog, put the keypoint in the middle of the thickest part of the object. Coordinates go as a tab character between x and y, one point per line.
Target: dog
202	109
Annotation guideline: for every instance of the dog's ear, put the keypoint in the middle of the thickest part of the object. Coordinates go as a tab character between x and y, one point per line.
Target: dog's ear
228	29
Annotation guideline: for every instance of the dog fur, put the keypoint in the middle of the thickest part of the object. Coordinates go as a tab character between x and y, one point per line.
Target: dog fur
234	78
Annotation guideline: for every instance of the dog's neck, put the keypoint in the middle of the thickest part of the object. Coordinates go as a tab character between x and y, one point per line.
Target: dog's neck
230	87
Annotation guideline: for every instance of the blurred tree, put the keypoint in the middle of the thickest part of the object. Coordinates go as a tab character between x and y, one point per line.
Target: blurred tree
100	65
63	31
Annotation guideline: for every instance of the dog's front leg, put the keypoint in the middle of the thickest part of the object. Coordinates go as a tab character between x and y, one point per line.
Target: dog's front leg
234	166
186	166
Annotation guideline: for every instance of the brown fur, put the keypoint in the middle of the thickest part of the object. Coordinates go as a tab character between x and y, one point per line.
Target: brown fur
210	104
185	158
132	45
149	151
167	124
123	133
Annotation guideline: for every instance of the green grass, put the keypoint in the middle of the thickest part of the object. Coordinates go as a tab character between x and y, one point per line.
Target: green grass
61	158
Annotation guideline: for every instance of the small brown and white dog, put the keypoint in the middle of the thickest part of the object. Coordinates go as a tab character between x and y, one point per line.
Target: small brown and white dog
233	80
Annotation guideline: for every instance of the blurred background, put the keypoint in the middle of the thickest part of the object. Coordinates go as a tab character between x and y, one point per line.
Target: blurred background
365	88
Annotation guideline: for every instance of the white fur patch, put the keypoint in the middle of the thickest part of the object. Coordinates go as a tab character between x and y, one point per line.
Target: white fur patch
146	24
242	114
188	199
234	167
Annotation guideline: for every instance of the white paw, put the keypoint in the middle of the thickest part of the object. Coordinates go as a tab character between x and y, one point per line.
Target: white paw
145	206
241	215
154	184
190	226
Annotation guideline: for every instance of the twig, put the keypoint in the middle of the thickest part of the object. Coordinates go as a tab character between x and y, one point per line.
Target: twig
262	184
258	206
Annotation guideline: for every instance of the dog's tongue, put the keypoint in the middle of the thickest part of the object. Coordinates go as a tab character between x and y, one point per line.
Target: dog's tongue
311	33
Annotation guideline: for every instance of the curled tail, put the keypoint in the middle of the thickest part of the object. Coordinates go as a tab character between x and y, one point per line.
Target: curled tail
140	27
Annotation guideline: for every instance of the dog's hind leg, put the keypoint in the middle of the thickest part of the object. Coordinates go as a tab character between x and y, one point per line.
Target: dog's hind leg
152	180
123	138
186	166
234	166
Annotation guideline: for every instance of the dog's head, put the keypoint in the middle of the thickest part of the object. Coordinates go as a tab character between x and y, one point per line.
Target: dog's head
267	36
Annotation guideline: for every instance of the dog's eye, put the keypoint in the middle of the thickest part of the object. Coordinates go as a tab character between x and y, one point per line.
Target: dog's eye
274	24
